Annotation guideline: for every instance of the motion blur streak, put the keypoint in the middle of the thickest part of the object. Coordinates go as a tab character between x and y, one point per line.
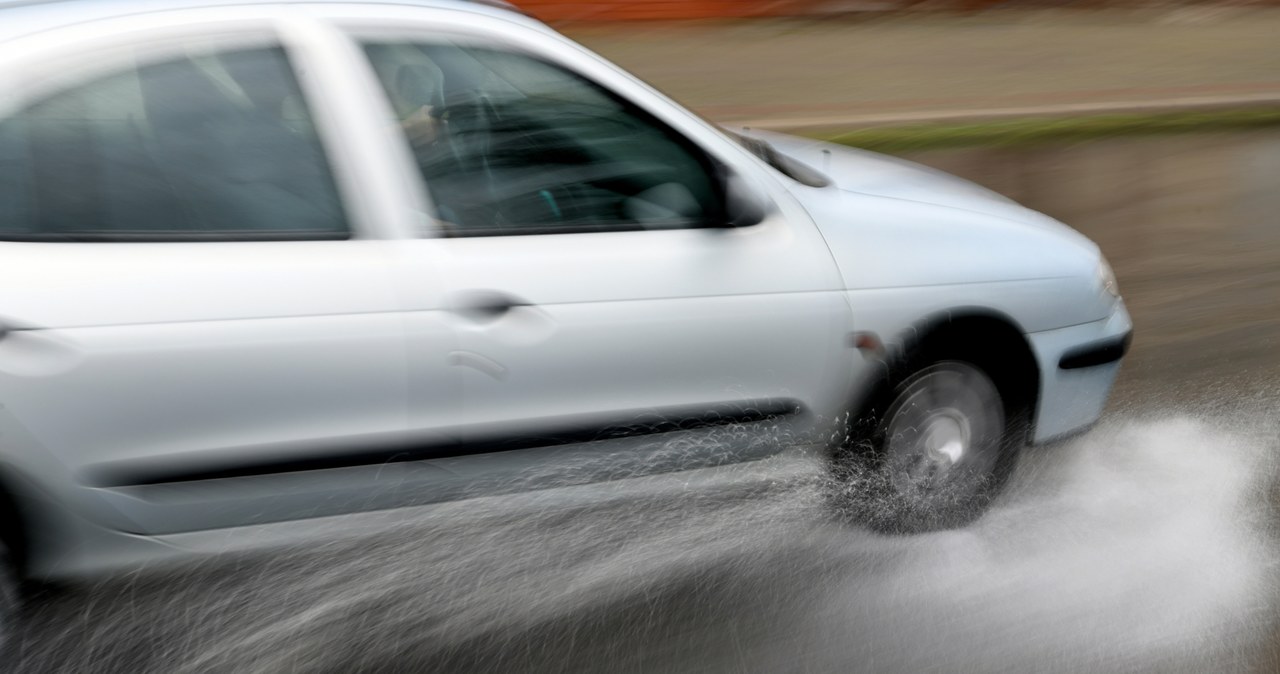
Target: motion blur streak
1139	547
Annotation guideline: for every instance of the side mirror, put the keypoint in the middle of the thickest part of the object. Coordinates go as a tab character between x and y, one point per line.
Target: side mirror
744	206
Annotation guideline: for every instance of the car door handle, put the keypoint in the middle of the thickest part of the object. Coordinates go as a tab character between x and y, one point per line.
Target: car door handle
484	306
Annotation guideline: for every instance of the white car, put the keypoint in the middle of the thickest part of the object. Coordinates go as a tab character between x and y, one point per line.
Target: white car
266	262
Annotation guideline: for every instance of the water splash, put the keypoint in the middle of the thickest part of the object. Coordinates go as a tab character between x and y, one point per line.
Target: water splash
1143	546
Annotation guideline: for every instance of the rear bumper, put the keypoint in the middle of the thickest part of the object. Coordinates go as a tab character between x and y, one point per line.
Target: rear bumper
1078	365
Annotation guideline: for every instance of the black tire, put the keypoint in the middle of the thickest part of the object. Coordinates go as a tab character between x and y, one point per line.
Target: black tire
10	603
931	452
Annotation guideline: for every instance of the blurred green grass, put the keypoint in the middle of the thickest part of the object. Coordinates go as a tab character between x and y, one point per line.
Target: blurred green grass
1028	131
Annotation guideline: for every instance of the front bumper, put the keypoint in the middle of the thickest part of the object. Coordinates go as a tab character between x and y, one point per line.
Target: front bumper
1078	365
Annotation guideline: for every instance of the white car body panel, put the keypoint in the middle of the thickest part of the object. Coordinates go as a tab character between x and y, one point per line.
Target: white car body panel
633	321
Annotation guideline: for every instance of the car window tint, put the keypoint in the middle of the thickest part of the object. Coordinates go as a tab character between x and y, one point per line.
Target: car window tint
212	145
510	144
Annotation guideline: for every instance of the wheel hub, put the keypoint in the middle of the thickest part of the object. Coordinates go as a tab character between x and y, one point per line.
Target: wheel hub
946	437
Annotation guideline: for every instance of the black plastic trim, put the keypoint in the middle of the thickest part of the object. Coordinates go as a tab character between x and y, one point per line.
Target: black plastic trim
398	449
1100	352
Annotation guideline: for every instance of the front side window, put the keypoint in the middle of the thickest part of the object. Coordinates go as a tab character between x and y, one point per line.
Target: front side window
215	144
510	144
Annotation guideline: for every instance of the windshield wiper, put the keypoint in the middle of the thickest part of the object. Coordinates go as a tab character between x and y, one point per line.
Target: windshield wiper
796	170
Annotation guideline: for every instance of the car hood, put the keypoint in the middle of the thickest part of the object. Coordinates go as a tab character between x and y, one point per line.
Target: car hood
873	174
896	227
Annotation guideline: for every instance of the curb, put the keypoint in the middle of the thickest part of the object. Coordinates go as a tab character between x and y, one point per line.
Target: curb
1181	104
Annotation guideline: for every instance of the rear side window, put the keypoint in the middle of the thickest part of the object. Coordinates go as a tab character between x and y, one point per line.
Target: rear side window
215	144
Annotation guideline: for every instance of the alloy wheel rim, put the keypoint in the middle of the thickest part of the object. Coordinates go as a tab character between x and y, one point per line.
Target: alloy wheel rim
943	434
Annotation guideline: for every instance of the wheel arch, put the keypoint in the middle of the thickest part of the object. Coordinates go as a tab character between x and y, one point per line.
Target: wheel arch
990	339
16	517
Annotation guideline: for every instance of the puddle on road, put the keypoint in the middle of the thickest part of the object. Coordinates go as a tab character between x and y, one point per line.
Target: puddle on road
1143	546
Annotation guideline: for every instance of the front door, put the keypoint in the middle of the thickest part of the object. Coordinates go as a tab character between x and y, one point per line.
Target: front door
596	288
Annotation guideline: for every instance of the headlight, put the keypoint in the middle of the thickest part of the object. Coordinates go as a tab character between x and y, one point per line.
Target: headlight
1107	278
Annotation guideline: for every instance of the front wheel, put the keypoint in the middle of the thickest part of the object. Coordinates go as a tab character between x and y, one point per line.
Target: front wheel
938	453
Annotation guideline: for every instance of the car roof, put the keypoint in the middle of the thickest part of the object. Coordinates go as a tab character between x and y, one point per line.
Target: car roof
24	17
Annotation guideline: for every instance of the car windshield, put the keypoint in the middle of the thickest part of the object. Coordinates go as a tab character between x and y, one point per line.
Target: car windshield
796	170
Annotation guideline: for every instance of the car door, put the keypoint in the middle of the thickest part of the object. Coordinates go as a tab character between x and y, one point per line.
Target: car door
596	284
200	322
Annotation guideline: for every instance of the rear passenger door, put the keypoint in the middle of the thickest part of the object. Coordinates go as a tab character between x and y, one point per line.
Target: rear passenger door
197	307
